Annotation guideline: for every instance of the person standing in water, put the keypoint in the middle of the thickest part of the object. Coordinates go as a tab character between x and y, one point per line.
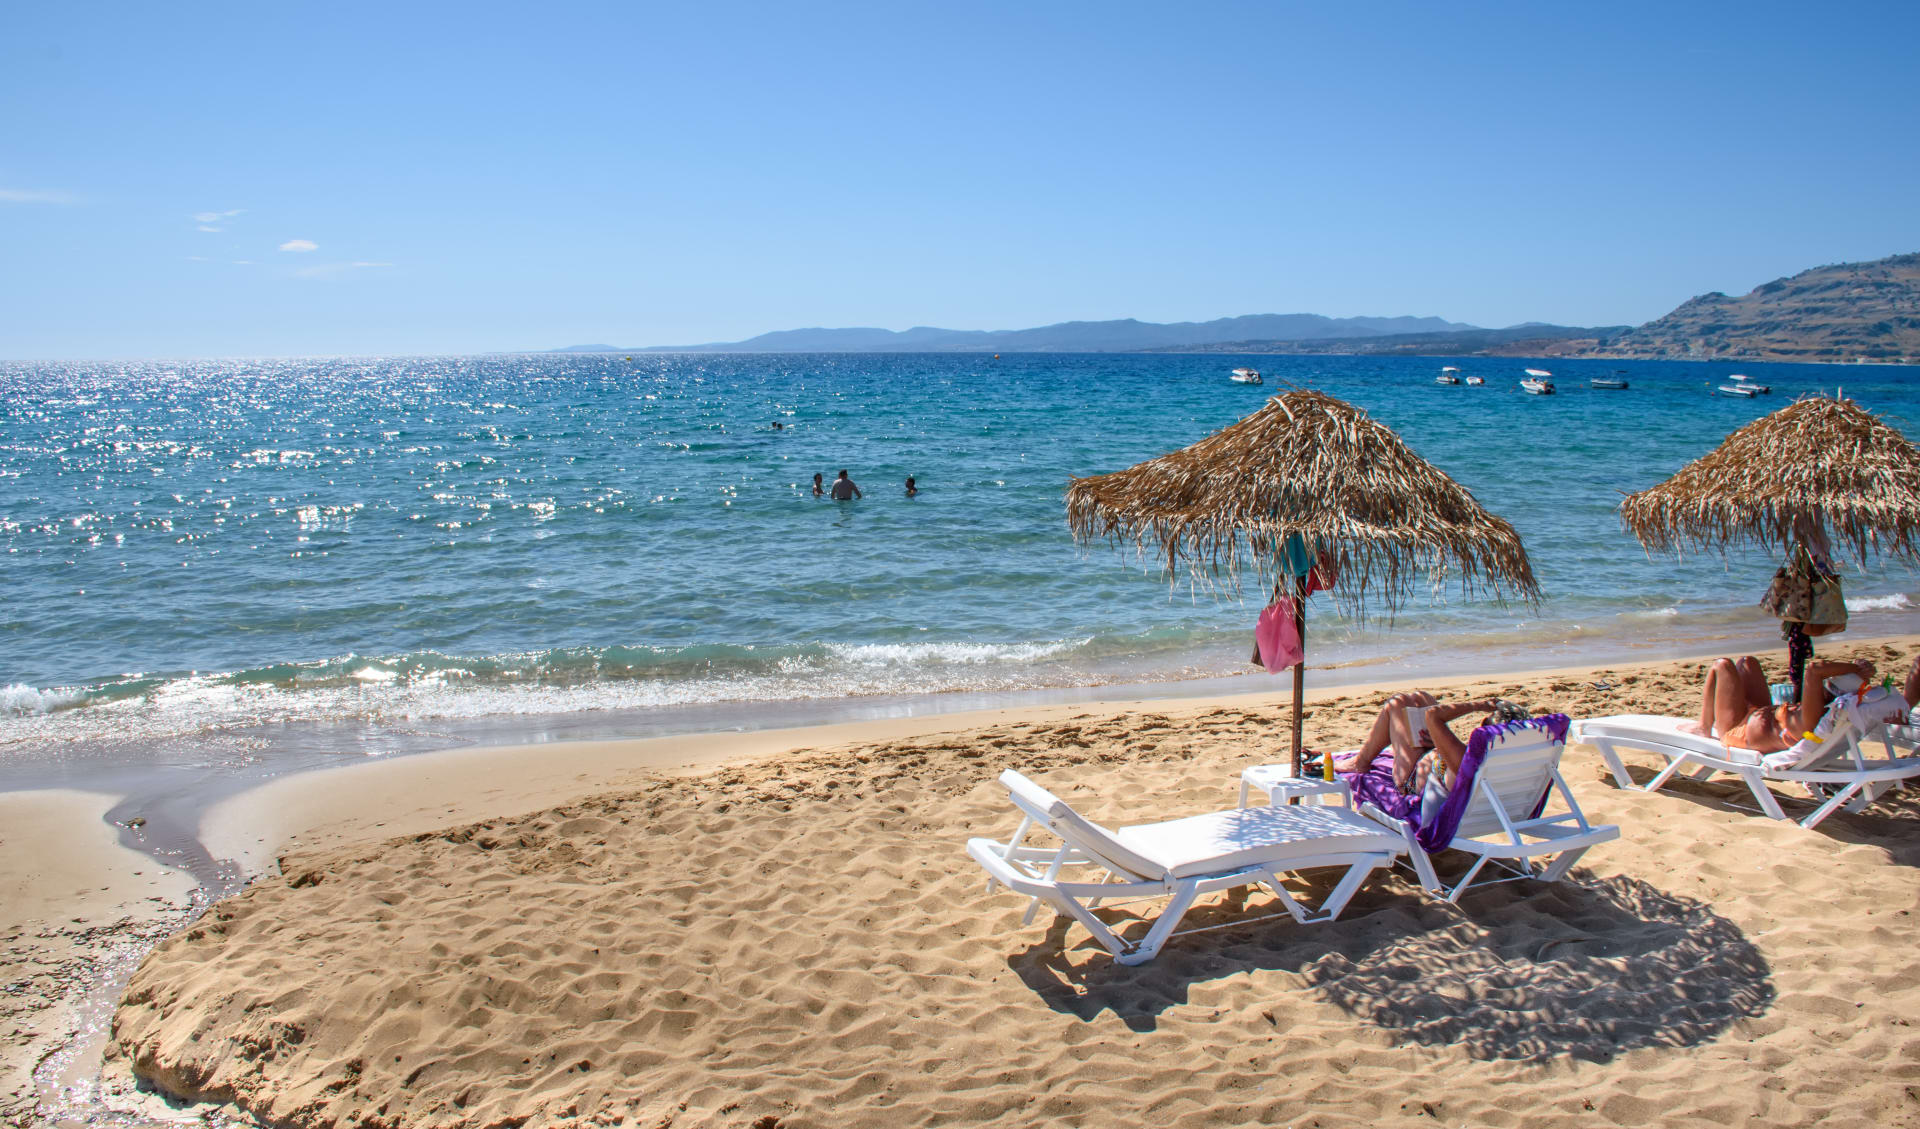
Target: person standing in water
844	489
911	488
817	488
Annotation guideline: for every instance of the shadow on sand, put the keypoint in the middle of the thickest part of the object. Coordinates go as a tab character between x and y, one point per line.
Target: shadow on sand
1520	971
1892	823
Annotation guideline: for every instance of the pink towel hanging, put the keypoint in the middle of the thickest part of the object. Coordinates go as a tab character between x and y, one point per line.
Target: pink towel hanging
1277	636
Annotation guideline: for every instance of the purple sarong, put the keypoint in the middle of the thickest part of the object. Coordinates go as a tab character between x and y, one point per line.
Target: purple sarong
1434	829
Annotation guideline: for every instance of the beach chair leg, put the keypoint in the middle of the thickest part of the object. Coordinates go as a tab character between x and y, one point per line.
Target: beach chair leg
1827	809
1423	867
1271	880
1013	844
1562	863
1243	793
1757	784
1053	872
1350	884
1096	927
1614	764
1673	766
1453	895
1183	896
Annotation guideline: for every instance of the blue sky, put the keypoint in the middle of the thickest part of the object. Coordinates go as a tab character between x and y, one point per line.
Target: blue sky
184	180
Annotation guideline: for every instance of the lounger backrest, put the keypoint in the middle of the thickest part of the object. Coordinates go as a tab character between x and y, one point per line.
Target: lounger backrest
1518	771
1057	816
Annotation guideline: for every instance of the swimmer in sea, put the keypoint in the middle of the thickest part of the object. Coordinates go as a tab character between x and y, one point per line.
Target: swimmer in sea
843	488
911	488
817	488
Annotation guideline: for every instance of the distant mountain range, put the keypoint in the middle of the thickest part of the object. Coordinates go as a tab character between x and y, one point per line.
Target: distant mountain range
1531	339
1126	335
1847	312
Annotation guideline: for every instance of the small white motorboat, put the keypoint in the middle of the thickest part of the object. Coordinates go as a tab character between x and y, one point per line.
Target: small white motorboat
1607	382
1245	376
1738	390
1537	386
1448	375
1476	380
1740	381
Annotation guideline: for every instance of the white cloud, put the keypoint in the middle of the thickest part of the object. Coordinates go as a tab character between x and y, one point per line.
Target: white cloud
36	196
211	221
299	245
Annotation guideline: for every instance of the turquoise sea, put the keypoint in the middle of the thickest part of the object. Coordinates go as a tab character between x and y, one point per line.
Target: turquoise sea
227	547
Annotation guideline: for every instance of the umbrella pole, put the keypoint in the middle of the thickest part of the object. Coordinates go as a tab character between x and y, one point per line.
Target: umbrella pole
1299	668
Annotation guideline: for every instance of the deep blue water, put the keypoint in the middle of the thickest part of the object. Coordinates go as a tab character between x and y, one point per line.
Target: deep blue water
216	543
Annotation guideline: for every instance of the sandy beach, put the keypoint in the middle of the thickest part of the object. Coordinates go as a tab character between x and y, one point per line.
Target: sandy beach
784	929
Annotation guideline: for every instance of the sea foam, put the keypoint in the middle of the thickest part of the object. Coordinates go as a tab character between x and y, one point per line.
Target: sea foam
1897	602
20	699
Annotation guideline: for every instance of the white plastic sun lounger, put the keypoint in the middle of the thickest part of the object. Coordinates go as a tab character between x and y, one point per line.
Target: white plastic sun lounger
1180	859
1498	825
1834	769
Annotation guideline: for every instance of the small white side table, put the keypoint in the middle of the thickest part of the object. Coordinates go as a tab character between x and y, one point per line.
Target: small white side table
1280	785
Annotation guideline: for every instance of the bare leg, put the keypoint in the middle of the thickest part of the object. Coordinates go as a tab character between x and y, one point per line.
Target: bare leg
1452	750
1390	728
1753	681
1723	698
1912	689
1407	749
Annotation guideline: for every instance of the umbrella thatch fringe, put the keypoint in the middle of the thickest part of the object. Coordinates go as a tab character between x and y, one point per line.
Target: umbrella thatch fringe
1819	463
1315	466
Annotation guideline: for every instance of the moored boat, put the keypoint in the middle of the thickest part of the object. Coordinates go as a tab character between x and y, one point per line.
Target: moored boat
1739	380
1537	386
1476	380
1738	390
1448	375
1246	376
1607	382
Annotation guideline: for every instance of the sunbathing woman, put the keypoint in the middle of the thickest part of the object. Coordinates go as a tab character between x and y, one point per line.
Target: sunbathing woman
1415	754
1736	707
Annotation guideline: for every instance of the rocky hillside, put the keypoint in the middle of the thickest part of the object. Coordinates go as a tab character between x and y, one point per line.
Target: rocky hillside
1852	311
1534	339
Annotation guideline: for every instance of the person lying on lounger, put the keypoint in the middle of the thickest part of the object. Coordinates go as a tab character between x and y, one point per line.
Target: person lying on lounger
1416	755
1736	706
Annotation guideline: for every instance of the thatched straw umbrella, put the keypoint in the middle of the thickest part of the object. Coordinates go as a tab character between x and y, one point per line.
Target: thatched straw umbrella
1306	464
1818	470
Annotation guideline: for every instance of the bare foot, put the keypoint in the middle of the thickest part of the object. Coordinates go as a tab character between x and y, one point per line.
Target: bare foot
1694	728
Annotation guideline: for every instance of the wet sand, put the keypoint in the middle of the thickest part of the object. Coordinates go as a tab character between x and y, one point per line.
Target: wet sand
77	910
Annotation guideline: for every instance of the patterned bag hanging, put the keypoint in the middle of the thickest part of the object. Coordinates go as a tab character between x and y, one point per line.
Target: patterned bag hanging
1790	596
1829	612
